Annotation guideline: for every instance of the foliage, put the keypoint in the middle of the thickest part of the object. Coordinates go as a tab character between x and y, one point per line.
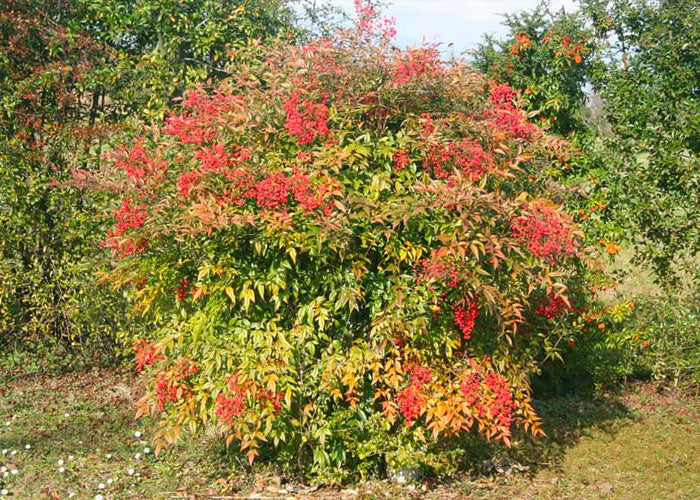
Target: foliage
670	333
545	55
646	338
353	253
646	70
70	72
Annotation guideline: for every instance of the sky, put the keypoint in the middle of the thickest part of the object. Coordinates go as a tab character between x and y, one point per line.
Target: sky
461	22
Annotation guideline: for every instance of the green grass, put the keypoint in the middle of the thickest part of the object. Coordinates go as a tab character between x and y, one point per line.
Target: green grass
86	420
635	445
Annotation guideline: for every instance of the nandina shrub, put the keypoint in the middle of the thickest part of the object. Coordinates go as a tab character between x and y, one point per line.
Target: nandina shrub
352	252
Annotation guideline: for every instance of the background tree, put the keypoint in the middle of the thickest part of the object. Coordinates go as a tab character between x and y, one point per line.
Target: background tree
648	74
546	56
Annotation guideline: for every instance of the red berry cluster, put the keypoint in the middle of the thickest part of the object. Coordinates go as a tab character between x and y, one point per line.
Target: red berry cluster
502	95
136	161
418	61
490	395
146	354
437	268
507	117
233	404
305	119
400	159
186	182
129	216
203	112
546	235
465	318
311	197
173	388
271	192
411	403
466	156
368	23
553	307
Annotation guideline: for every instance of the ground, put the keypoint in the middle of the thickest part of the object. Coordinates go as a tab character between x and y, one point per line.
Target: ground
640	443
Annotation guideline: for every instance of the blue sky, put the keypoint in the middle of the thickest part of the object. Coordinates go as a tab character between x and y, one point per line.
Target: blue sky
462	22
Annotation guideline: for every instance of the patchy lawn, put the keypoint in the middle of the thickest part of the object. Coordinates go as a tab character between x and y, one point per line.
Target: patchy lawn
74	436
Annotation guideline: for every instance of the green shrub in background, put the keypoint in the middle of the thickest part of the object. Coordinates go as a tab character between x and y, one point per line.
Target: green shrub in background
648	338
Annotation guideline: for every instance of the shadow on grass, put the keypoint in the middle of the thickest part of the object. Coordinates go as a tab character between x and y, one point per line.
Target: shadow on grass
566	419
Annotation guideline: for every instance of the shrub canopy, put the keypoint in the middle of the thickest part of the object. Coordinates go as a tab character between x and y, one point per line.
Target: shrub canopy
353	254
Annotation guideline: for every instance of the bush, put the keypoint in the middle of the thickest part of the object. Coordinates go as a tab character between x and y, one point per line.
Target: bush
353	255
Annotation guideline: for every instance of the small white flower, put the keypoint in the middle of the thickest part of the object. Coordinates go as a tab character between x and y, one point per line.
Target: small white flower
137	456
110	481
5	474
4	452
101	486
137	434
27	446
13	452
3	492
99	497
146	450
61	470
7	424
130	472
66	414
13	472
108	456
70	457
71	494
60	461
3	469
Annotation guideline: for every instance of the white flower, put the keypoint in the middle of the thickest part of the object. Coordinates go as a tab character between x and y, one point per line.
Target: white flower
66	414
13	472
61	470
3	492
108	456
99	497
60	461
5	474
13	452
70	457
71	494
7	423
4	452
130	472
110	481
101	486
137	434
137	456
146	450
27	446
3	469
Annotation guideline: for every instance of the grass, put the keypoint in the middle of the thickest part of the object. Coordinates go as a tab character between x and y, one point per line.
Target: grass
638	444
